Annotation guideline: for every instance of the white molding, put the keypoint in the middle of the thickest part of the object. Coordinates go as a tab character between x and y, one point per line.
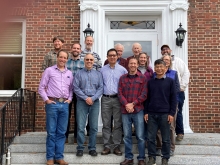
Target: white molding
85	6
184	6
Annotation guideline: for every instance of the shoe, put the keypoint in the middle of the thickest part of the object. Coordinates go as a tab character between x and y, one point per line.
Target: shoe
151	161
79	153
93	153
179	137
171	153
75	140
158	152
50	162
117	151
106	151
127	162
61	162
141	162
164	161
66	140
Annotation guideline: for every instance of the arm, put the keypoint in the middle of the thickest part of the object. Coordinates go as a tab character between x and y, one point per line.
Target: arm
71	89
99	91
184	75
177	83
43	85
76	86
45	63
173	100
121	97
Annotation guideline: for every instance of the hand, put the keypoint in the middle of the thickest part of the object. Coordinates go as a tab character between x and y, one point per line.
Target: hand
89	101
50	102
67	101
129	107
170	119
146	118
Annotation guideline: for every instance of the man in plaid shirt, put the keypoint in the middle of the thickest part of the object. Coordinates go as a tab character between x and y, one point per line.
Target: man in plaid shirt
132	92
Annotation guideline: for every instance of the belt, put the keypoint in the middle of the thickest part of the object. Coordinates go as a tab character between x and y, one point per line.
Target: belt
111	96
61	100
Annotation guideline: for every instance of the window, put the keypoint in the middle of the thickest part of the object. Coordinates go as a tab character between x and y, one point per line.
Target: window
132	24
12	55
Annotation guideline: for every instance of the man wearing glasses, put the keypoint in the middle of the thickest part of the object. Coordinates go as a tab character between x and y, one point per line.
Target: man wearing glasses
110	103
88	87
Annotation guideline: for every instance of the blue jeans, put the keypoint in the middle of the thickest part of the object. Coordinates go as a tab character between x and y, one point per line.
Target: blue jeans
179	118
138	120
56	125
92	111
156	122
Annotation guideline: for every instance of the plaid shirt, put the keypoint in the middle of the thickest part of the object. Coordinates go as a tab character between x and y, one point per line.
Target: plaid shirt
74	65
132	89
50	59
97	63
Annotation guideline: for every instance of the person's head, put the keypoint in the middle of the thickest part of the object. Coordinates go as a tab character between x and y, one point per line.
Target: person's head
133	65
143	59
89	61
112	56
76	49
136	49
58	42
120	49
62	57
167	59
89	42
160	67
165	49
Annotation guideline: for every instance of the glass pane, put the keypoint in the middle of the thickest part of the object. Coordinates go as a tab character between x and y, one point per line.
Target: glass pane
10	73
146	47
132	25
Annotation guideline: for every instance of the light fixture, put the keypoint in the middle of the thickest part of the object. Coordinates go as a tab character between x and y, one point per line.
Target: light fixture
180	35
88	31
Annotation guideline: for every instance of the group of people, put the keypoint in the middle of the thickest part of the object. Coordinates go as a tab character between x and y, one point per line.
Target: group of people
132	95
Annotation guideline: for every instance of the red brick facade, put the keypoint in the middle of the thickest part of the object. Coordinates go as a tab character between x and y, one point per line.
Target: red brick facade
204	64
48	18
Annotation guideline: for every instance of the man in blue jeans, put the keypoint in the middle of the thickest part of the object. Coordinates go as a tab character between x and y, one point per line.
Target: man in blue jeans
132	92
88	87
159	111
56	90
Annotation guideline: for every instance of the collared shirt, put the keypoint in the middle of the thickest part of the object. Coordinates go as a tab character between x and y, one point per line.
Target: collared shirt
88	83
56	83
74	65
132	89
97	63
111	78
50	59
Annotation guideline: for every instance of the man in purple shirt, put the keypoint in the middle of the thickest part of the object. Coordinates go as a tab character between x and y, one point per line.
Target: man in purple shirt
56	88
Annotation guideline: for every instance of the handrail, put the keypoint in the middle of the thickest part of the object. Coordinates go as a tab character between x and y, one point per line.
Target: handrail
16	115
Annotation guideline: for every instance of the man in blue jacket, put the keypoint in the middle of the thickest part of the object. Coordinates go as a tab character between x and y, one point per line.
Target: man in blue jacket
159	111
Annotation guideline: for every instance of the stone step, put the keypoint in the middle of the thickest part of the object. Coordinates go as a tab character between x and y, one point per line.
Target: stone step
189	139
39	158
70	148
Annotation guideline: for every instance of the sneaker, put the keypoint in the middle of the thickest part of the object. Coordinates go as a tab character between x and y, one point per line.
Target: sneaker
164	161
171	153
179	137
151	161
93	153
79	153
158	152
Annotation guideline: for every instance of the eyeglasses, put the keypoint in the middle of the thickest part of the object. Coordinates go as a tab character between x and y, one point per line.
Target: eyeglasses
112	55
88	59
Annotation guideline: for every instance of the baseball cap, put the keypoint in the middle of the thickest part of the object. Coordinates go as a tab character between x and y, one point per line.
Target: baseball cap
164	46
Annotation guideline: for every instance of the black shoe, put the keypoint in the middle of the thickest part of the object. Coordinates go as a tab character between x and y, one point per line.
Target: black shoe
93	153
79	153
171	153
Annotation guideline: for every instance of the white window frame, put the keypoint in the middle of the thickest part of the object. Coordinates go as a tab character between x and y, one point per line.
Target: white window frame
9	93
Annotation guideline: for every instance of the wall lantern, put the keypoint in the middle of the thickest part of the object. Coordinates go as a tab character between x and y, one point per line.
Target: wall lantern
88	31
180	34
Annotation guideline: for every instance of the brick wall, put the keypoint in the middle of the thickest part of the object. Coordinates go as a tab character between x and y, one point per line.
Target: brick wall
204	64
46	19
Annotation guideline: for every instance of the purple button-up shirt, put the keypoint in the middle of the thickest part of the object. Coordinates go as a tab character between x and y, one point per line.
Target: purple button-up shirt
56	83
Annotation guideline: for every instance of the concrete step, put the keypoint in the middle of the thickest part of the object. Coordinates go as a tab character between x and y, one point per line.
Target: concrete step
39	158
189	139
70	148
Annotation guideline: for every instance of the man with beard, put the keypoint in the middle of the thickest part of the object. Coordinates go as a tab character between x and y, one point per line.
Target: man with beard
74	64
50	58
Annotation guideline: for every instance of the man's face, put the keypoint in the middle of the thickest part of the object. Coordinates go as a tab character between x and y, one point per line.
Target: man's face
120	51
136	49
166	50
89	42
62	59
89	61
76	50
112	57
57	44
133	65
142	59
160	69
